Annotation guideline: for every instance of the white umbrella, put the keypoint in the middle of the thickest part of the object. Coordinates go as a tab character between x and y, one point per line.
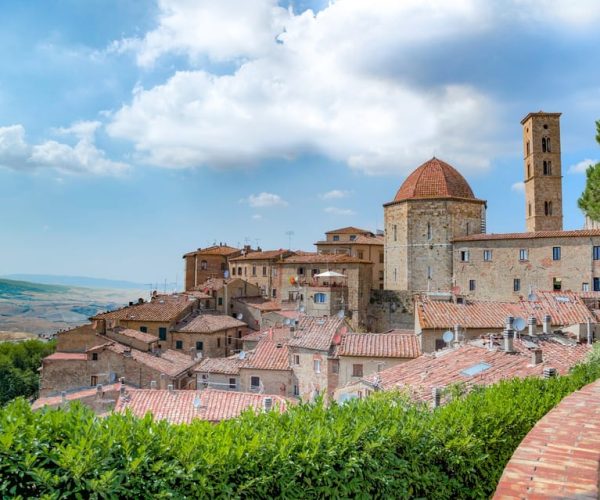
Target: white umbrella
330	274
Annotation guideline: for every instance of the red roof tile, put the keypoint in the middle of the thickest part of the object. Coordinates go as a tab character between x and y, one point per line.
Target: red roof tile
63	356
379	345
268	355
223	250
263	255
208	323
260	303
434	179
135	334
162	308
359	240
317	333
349	230
179	407
324	258
72	396
577	233
224	366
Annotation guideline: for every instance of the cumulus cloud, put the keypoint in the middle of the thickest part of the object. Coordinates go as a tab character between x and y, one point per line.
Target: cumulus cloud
264	200
581	167
518	187
339	211
84	157
335	194
324	83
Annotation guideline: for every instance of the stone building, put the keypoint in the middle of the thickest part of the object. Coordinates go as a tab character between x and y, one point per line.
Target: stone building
225	290
358	243
209	262
259	268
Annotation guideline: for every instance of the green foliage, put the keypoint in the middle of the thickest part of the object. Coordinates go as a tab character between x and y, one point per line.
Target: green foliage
589	201
383	446
19	363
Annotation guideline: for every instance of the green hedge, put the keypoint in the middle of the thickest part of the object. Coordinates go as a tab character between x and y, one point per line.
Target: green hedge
383	446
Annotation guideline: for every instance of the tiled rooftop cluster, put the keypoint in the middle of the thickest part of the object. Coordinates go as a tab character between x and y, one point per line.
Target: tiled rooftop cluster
160	308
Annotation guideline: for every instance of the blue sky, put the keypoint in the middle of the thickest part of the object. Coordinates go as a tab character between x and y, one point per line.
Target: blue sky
132	132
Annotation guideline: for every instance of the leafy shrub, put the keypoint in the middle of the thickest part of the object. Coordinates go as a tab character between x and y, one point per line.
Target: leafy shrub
384	446
19	363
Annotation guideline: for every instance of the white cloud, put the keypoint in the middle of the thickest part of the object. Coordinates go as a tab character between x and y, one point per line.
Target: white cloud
319	83
518	187
335	194
581	167
257	216
339	211
264	200
84	157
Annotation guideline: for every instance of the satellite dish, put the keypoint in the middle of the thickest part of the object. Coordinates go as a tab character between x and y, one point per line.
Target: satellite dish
242	355
197	402
287	321
239	315
448	336
519	324
532	297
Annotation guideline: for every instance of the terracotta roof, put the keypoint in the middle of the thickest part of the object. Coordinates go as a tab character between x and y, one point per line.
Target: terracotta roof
434	179
162	308
419	376
217	284
72	396
379	345
198	294
178	407
565	308
135	334
205	322
268	355
349	230
263	255
359	240
63	356
324	258
225	366
576	233
317	333
260	303
170	362
223	250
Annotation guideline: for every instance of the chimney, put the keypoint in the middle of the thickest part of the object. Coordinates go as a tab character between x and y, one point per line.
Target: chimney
549	372
510	321
267	404
193	353
509	335
536	356
436	393
547	321
163	381
456	332
153	384
99	391
170	388
532	322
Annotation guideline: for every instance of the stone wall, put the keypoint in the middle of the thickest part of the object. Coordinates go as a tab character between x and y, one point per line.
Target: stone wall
78	339
279	382
369	366
389	310
215	345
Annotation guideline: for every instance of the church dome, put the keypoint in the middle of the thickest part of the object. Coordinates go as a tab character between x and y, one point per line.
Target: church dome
434	179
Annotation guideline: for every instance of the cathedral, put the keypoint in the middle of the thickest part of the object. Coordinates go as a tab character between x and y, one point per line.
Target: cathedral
436	240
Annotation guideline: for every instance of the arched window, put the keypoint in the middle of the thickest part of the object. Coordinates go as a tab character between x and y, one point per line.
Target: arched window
527	148
528	170
546	208
549	208
204	265
548	144
530	210
549	167
545	167
543	144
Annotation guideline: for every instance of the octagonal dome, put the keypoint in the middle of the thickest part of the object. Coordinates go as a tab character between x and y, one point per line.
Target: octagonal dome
434	179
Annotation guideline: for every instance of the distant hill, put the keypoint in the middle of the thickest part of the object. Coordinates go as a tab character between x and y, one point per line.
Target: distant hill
79	281
14	289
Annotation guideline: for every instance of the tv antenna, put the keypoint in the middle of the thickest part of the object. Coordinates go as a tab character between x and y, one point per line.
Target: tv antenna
289	234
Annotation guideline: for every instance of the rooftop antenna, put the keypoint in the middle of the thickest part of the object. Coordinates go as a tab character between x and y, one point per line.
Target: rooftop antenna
289	234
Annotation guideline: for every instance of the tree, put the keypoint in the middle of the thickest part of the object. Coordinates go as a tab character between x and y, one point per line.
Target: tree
589	201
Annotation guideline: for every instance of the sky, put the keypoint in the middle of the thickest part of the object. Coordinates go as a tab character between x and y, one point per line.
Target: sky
132	132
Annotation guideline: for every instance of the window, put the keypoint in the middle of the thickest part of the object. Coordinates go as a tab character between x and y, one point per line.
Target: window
336	237
585	287
464	256
523	254
315	271
204	265
320	298
274	293
439	344
395	228
528	170
162	333
94	356
220	301
360	254
232	383
547	167
274	271
254	382
468	228
357	370
530	210
296	391
429	232
264	270
556	283
239	334
596	284
555	253
179	344
352	237
546	211
516	285
596	253
527	148
94	380
317	365
472	285
233	271
381	257
487	255
300	271
380	275
218	341
199	345
144	329
245	270
543	144
296	359
229	340
429	272
253	270
239	271
548	145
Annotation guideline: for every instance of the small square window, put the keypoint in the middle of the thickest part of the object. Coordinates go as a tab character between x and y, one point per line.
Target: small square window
352	237
179	344
516	285
220	301
523	254
596	284
199	346
336	237
254	383
144	329
464	256
487	255
232	383
472	285
162	333
585	287
557	284
357	370
296	359
555	253
94	356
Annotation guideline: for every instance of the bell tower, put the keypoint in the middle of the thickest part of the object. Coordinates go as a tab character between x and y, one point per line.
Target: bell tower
543	172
